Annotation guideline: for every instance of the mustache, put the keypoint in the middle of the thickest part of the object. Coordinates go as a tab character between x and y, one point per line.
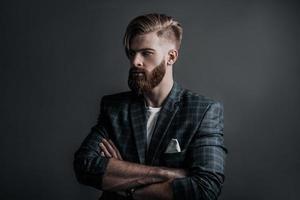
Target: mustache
136	70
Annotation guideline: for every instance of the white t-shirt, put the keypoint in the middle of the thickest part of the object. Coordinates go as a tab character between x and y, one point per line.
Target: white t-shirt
152	115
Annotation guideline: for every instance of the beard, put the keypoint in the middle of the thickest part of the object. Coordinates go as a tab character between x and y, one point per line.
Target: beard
140	80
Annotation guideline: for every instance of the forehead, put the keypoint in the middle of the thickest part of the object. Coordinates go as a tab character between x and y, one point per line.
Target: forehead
145	41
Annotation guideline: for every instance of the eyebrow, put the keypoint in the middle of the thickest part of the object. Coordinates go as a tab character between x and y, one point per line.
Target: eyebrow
143	49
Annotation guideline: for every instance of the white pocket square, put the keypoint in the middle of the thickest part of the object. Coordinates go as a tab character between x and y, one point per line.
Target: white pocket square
173	146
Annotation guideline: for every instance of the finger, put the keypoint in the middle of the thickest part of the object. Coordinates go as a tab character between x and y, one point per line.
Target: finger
110	149
116	149
102	154
104	149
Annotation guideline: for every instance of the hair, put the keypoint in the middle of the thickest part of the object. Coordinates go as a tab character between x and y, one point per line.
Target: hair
164	26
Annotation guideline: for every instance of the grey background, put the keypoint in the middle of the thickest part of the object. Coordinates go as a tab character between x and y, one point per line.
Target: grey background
59	57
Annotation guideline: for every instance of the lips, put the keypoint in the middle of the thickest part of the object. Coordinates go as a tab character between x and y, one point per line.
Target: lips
137	74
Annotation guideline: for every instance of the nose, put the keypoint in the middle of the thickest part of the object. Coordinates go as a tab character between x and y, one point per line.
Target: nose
136	61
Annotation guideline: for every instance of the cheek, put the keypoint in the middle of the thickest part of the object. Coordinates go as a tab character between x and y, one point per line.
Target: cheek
152	62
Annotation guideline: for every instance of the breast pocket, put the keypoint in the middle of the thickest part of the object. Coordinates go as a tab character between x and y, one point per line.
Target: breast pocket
175	160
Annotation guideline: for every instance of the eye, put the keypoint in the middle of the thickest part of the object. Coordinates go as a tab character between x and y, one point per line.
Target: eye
147	53
131	54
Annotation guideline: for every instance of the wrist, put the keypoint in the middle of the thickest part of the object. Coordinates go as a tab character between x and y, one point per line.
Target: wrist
159	174
171	173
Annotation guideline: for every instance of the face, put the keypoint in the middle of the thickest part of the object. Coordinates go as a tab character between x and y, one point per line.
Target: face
147	57
141	80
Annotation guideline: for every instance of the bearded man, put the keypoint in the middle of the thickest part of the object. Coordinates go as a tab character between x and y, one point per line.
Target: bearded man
157	141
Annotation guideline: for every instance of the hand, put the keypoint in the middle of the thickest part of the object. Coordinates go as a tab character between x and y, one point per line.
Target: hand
109	150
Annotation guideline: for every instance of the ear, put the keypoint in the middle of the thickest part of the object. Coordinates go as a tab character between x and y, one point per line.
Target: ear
172	56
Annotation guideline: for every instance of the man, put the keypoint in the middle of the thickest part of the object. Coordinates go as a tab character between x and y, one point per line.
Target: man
158	141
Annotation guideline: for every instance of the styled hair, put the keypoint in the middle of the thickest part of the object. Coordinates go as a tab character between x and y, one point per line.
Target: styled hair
164	26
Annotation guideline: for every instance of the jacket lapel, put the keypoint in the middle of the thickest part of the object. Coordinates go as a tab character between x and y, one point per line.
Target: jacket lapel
138	123
169	109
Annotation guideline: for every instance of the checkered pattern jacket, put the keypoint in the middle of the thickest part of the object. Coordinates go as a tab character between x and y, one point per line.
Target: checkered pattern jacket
194	120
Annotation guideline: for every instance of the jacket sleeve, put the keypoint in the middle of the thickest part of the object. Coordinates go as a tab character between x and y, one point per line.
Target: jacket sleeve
206	159
89	165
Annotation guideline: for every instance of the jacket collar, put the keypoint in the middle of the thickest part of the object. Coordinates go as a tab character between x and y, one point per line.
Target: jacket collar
138	121
173	98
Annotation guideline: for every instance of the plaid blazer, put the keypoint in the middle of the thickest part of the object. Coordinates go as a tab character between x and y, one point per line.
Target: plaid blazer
194	120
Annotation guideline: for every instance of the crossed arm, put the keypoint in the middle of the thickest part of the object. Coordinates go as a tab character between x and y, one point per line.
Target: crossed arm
152	182
205	161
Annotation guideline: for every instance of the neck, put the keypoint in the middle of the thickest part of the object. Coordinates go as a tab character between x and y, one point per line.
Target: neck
157	95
